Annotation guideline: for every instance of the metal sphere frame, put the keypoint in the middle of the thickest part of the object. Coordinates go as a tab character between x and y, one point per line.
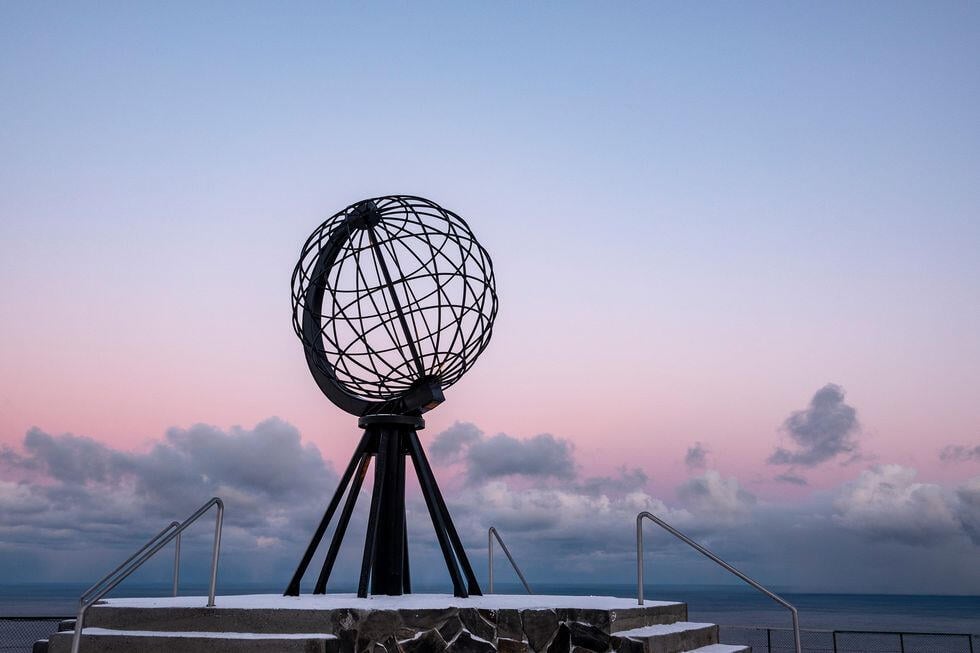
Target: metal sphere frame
394	300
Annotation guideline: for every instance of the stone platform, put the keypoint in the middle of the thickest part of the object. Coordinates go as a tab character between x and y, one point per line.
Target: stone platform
416	623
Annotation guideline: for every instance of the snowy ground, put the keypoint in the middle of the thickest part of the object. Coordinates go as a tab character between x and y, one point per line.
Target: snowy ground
405	602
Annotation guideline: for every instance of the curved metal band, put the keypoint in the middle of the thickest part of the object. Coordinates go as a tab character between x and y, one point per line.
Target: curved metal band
316	356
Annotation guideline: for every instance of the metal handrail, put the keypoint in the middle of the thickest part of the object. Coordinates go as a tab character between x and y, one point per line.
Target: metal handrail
490	535
138	562
697	547
148	544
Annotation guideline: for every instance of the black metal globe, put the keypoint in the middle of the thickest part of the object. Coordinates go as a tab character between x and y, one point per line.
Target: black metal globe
394	300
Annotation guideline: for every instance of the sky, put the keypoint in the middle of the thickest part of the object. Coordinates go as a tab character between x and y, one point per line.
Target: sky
735	247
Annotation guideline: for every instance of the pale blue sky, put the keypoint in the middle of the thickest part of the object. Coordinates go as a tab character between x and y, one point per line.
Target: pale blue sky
699	214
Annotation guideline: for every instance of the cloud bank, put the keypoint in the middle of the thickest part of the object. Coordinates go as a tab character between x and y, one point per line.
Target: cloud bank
80	495
76	499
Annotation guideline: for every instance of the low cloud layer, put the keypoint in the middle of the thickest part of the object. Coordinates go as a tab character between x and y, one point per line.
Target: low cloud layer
820	432
501	455
886	503
78	499
721	498
79	493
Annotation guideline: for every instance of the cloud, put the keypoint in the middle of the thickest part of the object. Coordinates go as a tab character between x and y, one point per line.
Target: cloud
791	478
628	480
502	455
68	519
67	458
886	503
959	453
82	493
696	457
968	510
561	532
822	431
710	494
449	445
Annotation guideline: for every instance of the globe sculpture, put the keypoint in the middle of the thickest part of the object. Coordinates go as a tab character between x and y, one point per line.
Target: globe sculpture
394	300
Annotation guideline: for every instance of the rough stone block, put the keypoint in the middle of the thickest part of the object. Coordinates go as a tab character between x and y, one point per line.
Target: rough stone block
390	645
426	619
626	645
601	619
428	642
588	637
539	627
466	643
379	624
473	622
561	643
451	628
505	645
509	625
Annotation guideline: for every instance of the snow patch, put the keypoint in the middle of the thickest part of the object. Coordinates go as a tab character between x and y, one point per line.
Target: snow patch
662	629
404	602
204	634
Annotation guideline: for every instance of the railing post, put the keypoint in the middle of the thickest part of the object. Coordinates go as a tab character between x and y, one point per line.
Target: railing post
492	533
796	630
768	640
176	563
218	519
490	556
835	641
639	559
901	642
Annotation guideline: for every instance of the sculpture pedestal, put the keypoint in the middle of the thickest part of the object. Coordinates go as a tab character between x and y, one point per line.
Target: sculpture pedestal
418	623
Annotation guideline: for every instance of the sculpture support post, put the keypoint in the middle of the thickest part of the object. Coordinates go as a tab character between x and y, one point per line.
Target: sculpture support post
389	556
385	564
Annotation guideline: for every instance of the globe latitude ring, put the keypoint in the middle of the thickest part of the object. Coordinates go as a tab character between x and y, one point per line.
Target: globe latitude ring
394	300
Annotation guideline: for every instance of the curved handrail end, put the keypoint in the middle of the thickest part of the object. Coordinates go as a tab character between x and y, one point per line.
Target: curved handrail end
705	552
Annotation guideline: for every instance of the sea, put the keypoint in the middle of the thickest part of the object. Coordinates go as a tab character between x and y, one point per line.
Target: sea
728	605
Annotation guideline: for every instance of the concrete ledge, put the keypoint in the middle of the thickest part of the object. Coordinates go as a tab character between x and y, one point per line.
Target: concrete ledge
420	623
109	641
679	637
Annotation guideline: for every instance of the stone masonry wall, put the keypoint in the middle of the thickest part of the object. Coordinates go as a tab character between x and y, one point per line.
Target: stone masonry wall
471	630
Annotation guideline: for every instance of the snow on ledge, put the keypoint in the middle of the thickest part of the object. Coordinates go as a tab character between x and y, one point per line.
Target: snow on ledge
662	629
204	634
405	602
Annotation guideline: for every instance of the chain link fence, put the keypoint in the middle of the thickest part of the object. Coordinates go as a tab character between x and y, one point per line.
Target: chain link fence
780	640
18	634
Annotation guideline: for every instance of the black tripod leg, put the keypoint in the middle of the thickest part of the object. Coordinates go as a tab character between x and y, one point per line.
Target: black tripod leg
338	535
371	539
406	575
293	588
474	585
428	484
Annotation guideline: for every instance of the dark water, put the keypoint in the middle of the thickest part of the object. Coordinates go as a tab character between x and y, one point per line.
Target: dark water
724	604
